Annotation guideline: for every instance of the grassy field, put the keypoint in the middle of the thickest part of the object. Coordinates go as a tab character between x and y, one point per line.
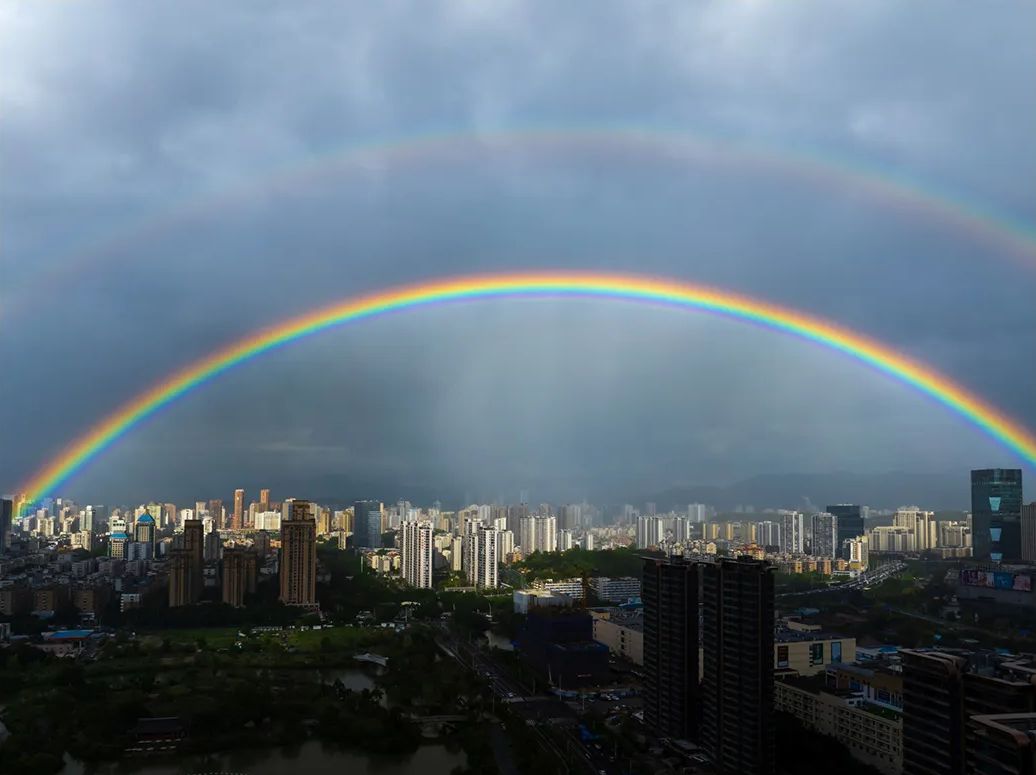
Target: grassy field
337	638
215	637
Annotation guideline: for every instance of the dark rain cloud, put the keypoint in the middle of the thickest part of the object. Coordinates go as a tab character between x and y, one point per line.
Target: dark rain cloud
115	112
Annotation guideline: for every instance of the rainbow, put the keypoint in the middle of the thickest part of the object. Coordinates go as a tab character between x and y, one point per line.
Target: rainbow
97	439
890	188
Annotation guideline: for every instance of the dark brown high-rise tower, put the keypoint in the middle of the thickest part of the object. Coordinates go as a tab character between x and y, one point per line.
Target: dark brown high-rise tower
238	574
298	558
237	519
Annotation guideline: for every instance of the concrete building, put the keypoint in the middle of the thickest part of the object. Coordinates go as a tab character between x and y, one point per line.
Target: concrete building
1003	744
538	533
858	551
941	693
239	573
824	535
890	539
180	590
871	733
621	631
573	588
850	522
564	540
527	599
1028	532
298	557
793	532
416	553
194	543
616	590
921	524
237	519
737	684
651	531
809	653
485	557
672	700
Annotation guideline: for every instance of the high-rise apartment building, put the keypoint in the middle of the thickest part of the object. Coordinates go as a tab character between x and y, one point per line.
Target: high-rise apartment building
367	516
670	593
485	557
824	532
933	712
144	530
650	531
237	519
696	512
538	533
238	575
858	551
217	512
416	553
298	557
793	532
264	500
943	694
768	533
996	513
921	524
194	543
738	647
850	523
1003	744
179	577
1028	532
6	517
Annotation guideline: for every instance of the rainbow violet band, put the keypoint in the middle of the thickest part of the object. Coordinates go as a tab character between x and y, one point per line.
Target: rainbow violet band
57	471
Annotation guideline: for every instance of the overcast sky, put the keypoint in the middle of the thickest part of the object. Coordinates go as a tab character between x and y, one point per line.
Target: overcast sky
117	115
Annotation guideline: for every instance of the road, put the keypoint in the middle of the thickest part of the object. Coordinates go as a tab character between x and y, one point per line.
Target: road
867	579
557	740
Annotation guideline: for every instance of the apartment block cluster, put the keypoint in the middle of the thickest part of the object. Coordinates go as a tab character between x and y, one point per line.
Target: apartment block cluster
719	662
836	542
473	541
130	557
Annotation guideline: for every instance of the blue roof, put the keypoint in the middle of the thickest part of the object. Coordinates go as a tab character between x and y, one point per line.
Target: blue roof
63	634
120	537
145	519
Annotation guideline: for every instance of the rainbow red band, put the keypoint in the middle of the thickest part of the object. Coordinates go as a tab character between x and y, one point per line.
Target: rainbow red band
59	469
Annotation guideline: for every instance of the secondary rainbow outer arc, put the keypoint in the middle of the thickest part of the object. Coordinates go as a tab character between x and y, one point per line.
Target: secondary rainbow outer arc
600	286
1013	234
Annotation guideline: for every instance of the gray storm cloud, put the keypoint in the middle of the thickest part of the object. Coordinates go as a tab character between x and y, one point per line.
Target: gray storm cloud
114	112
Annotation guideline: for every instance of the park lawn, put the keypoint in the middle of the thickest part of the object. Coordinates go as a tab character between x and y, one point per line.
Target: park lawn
339	638
215	637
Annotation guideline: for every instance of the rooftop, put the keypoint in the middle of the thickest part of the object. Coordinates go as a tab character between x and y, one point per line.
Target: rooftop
796	636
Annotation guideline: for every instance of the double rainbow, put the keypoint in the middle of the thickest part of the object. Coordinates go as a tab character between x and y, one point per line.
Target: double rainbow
81	450
888	187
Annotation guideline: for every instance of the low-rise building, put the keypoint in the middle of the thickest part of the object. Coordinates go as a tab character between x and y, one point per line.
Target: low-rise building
526	599
621	631
809	653
616	590
873	734
571	587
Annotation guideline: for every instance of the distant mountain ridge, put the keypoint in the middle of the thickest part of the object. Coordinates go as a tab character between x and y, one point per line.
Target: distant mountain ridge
791	491
803	491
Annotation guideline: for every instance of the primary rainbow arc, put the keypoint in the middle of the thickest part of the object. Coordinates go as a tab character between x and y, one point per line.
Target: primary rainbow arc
81	450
